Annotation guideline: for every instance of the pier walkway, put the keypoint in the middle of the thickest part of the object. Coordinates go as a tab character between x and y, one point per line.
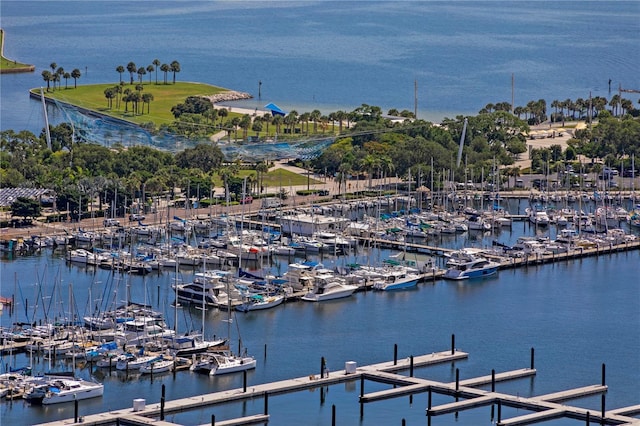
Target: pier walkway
467	396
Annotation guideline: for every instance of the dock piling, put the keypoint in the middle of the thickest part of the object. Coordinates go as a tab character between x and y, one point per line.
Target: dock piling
265	351
244	381
162	408
411	366
361	395
499	411
493	380
453	344
588	417
213	420
395	354
457	379
532	358
323	367
75	411
602	401
604	368
266	403
333	415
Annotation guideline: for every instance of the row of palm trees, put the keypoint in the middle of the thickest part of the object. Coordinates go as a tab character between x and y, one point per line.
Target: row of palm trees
56	75
126	95
155	65
536	111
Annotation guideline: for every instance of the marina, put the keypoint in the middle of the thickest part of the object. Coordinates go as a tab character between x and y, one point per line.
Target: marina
372	261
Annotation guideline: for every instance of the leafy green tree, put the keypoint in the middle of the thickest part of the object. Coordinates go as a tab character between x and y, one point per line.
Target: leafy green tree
206	157
25	207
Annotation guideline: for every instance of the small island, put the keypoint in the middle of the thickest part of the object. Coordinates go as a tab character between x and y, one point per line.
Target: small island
8	66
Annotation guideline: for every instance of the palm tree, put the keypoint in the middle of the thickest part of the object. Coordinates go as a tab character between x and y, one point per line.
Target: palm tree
165	69
109	93
315	117
146	99
387	166
156	63
223	113
66	77
175	67
278	120
245	123
75	74
53	67
370	163
55	78
120	70
141	71
46	76
261	169
131	67
150	69
60	72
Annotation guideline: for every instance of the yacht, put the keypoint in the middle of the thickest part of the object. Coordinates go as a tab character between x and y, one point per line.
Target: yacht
396	279
56	390
329	287
469	265
207	289
215	364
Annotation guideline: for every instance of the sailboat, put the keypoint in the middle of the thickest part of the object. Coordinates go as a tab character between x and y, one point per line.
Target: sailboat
216	364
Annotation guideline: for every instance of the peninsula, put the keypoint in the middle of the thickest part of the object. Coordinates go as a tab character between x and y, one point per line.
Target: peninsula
8	66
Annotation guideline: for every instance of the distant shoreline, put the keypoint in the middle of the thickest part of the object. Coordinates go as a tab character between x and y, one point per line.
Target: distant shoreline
13	70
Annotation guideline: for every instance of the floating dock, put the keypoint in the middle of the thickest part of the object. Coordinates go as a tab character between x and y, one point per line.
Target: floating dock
544	407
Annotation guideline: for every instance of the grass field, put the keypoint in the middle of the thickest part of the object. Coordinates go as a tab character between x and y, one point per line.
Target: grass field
274	179
165	96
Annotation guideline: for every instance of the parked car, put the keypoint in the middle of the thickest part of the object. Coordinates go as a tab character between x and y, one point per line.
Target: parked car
630	173
247	200
136	216
110	222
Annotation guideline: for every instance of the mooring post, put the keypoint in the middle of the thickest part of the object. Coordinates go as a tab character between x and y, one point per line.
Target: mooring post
244	381
602	400
158	297
213	420
163	391
266	403
453	344
404	422
588	417
322	367
361	395
604	368
162	408
532	358
333	415
499	411
265	350
493	380
411	366
75	411
429	408
457	379
395	354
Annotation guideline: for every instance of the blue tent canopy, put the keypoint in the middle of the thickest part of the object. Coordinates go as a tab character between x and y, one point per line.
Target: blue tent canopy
275	109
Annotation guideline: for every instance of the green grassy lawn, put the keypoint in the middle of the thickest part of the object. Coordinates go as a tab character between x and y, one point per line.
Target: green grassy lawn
165	96
274	178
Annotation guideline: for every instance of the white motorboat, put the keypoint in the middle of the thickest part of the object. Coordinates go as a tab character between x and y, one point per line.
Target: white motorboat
396	279
157	366
255	302
328	287
132	362
216	364
469	265
63	389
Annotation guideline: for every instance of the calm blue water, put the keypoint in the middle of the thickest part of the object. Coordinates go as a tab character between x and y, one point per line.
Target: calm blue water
334	56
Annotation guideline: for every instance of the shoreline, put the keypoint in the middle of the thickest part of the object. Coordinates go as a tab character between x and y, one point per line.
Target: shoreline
16	70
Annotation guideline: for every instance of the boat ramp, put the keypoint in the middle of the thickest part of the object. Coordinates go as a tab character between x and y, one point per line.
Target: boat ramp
466	393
